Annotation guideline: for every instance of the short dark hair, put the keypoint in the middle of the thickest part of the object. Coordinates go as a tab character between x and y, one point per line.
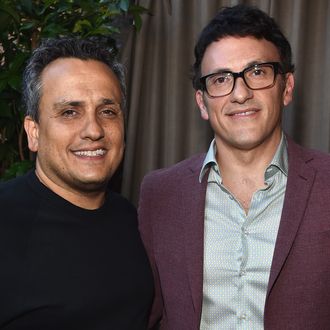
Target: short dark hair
55	48
241	21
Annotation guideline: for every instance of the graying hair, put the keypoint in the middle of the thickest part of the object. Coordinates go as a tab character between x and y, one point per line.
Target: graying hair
55	48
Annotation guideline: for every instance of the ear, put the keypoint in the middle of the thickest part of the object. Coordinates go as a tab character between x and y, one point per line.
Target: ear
201	104
288	90
32	131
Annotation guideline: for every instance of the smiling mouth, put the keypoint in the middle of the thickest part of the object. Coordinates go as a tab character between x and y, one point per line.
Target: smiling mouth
243	113
90	153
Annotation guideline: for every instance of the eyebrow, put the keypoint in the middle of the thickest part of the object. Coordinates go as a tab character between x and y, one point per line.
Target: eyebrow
63	104
109	102
249	64
73	103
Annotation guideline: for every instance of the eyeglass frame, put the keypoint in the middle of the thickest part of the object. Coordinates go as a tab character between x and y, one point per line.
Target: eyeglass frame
277	68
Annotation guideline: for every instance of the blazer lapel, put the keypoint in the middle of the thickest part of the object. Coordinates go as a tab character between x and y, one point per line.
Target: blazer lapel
193	204
300	181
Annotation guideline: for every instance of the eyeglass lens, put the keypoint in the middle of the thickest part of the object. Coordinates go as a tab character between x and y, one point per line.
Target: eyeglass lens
255	77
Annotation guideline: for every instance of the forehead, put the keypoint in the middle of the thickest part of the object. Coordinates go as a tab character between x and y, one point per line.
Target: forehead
235	53
71	75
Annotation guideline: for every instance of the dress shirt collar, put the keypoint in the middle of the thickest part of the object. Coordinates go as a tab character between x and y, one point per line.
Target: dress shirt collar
279	161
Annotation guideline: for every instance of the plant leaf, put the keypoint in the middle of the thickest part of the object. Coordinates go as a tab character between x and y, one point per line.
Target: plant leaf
9	10
124	5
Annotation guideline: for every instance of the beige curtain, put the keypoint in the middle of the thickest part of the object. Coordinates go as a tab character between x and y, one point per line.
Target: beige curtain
164	125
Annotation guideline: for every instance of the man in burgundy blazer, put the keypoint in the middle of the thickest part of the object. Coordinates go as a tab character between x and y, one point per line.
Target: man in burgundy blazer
243	79
172	221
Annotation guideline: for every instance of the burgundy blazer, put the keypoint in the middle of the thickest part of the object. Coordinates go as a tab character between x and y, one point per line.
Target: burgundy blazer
171	220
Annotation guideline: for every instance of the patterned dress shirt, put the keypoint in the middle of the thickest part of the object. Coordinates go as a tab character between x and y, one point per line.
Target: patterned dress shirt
239	247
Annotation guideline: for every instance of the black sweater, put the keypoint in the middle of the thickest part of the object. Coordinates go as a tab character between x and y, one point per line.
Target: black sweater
64	267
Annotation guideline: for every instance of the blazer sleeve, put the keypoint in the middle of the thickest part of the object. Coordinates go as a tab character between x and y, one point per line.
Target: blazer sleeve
146	213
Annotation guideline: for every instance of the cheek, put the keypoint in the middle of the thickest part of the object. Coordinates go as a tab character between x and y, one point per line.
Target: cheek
272	102
216	110
116	143
53	140
116	131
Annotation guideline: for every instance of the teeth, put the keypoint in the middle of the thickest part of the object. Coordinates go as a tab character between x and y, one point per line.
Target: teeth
90	153
244	113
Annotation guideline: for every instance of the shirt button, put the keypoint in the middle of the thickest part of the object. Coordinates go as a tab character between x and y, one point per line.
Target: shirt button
243	316
242	272
245	231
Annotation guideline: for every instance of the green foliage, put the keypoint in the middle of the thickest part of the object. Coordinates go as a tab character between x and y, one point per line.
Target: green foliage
17	169
23	23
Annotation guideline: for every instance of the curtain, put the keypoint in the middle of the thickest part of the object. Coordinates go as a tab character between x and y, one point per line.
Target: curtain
164	125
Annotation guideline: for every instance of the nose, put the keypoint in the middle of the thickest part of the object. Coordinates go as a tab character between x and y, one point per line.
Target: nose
241	91
92	128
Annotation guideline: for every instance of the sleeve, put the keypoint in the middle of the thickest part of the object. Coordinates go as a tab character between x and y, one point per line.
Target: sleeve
146	211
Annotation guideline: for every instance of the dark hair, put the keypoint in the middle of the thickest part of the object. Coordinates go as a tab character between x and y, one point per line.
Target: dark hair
52	49
242	21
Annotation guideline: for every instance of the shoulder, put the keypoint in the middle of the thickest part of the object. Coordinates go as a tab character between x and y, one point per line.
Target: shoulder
163	186
14	188
119	203
321	160
317	160
19	205
174	172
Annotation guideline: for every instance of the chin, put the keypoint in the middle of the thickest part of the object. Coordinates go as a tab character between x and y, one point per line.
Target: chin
246	144
91	184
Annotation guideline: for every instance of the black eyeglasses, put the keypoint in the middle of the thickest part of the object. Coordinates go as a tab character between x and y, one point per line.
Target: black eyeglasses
257	76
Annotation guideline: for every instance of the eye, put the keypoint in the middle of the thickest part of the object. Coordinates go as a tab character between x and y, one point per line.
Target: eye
110	111
220	79
69	113
259	72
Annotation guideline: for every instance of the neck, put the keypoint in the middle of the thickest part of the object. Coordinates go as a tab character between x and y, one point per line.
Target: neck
250	160
242	171
89	200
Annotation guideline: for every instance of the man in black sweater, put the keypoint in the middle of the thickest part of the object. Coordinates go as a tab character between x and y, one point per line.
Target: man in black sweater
70	253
